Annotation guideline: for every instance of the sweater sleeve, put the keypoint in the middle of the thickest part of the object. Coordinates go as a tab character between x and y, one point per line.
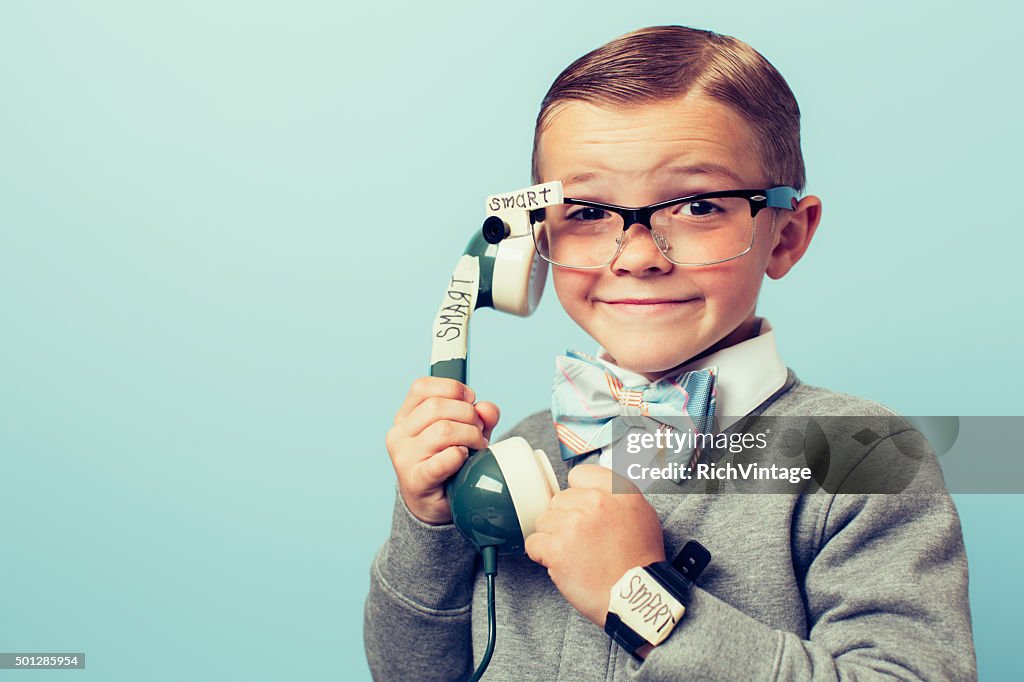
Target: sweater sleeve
416	621
886	597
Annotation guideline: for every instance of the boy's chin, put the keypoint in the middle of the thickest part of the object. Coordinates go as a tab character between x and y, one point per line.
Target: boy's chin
650	364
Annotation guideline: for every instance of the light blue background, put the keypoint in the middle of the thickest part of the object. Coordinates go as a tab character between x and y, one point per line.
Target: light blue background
224	228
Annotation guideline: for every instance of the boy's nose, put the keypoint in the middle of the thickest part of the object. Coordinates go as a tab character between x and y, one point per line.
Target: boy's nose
639	252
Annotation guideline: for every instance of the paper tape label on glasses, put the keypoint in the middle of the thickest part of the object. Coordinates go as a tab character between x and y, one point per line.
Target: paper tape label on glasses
528	199
452	322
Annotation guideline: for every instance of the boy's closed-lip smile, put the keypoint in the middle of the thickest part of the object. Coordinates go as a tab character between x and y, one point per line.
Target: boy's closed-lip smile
646	306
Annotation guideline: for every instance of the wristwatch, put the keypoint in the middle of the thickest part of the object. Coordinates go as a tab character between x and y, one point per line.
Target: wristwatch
646	603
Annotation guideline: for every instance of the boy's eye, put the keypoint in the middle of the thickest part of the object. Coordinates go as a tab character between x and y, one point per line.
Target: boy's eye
588	213
698	208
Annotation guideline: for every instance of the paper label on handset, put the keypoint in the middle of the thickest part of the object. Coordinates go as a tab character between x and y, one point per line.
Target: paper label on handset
451	325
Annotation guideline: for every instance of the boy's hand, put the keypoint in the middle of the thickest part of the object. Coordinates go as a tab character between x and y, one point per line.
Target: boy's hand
434	429
588	538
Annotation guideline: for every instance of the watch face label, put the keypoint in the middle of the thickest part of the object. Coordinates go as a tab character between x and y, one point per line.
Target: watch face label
644	605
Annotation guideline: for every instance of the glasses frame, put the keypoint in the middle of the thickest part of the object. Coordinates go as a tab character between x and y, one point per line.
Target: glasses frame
775	197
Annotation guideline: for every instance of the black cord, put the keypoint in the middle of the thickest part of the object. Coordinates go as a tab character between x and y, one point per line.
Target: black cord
490	554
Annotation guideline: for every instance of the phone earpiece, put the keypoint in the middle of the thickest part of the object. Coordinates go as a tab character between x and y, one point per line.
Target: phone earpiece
495	229
519	277
512	274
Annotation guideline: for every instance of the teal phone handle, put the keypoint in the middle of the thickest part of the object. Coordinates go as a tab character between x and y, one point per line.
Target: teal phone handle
500	490
482	508
498	494
450	369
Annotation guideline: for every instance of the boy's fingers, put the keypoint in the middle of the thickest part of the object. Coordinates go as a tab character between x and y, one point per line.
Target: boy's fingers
570	499
435	409
590	476
436	469
490	414
426	387
441	434
547	521
536	547
595	476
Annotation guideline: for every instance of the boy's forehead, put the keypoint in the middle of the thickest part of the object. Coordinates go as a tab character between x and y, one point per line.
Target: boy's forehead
693	136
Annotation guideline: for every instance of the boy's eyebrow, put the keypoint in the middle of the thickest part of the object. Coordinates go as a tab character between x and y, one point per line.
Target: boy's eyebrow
697	169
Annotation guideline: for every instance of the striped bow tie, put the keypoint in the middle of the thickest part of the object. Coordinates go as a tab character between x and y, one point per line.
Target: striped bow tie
588	401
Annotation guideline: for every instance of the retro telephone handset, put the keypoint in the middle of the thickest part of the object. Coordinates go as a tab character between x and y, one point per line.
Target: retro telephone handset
500	491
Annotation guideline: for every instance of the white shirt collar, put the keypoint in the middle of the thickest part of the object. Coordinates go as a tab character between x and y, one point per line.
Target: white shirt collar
748	373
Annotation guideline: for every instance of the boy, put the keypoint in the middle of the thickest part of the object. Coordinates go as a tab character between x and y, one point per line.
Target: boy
810	586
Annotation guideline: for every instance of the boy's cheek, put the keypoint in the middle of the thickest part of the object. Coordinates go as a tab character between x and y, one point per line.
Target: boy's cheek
730	289
572	288
734	283
566	279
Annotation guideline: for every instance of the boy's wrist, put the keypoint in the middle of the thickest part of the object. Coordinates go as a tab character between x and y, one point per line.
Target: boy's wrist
646	604
430	565
423	517
414	519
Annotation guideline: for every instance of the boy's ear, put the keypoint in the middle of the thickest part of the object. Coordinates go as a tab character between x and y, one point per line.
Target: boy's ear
792	235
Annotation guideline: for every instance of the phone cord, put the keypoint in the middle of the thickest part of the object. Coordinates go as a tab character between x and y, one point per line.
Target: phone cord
490	554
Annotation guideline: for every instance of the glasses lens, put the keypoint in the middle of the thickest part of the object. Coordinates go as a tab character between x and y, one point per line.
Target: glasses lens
691	233
577	236
704	231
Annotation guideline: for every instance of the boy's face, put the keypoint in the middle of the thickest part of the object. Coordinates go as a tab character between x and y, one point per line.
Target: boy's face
649	314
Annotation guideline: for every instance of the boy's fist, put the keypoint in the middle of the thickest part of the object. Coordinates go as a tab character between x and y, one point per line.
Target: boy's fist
589	537
434	430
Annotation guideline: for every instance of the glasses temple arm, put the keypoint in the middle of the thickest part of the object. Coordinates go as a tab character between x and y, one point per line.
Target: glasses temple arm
781	197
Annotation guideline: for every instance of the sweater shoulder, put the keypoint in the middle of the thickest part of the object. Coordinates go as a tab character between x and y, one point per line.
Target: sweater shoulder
866	447
532	427
815	401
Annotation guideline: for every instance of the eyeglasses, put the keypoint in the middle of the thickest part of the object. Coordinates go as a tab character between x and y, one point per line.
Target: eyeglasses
701	229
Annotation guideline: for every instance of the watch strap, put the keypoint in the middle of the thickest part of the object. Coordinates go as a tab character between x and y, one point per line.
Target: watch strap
674	583
679	575
691	561
624	635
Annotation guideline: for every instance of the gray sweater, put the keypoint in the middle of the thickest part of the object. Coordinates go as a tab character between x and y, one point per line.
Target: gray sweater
813	586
